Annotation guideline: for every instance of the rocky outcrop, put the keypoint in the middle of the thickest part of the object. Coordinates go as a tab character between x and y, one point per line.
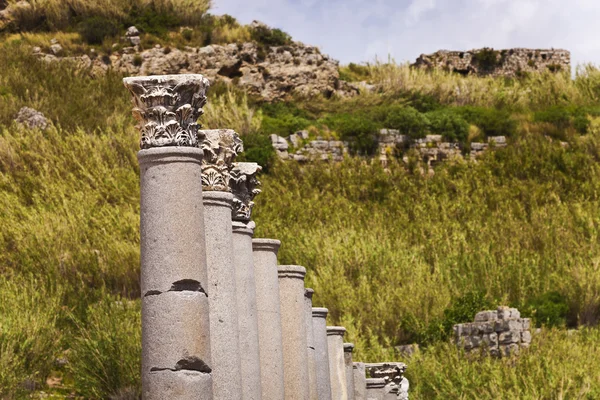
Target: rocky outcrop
31	118
498	63
270	73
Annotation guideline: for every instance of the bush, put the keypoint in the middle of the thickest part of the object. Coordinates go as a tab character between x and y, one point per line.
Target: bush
357	128
150	20
29	336
549	309
354	72
105	355
283	119
487	59
270	37
408	121
491	121
95	29
258	148
448	124
565	117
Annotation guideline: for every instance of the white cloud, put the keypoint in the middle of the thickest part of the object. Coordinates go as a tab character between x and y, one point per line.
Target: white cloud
355	30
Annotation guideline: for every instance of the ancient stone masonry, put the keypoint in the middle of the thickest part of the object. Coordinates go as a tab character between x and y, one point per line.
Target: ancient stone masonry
167	108
497	63
390	142
500	332
393	375
176	348
220	319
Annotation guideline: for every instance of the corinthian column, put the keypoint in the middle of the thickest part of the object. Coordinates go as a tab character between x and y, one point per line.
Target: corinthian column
293	328
244	184
176	359
220	148
269	318
310	342
337	367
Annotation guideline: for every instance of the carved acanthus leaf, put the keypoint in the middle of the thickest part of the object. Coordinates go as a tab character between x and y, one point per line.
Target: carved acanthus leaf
244	185
220	147
167	108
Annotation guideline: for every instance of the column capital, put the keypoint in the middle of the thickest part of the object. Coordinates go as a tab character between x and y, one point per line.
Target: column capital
167	108
336	331
244	185
308	293
220	147
348	347
319	312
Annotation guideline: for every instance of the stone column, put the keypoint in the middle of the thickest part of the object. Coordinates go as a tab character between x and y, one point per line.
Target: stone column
176	359
220	148
321	353
360	381
376	388
244	187
293	329
269	318
337	367
310	342
348	348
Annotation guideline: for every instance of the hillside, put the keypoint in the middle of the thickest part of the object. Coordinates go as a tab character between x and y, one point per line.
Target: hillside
397	255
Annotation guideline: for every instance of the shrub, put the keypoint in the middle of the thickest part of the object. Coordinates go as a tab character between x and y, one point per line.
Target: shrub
138	60
357	127
487	59
258	148
283	118
491	121
105	355
95	29
408	121
354	72
151	20
448	124
557	115
549	309
270	37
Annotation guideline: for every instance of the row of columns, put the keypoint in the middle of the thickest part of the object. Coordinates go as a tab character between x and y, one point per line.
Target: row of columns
220	318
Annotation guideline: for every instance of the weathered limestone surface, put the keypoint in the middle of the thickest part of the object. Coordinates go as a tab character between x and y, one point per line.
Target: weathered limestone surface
269	318
376	389
222	297
176	354
360	381
393	373
506	63
293	328
243	183
310	345
321	352
501	332
246	307
348	348
337	367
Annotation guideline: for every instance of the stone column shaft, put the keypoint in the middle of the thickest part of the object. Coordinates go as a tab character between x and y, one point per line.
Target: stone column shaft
348	348
225	348
269	318
310	342
360	381
176	354
293	329
247	313
337	367
321	353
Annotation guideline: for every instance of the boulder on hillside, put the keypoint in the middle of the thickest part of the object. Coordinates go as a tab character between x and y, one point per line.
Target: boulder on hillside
31	118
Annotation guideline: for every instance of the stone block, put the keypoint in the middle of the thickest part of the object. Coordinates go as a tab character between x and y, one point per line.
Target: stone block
498	141
278	142
509	349
433	138
486	316
509	337
504	325
526	322
302	134
319	144
526	337
508	313
490	339
476	146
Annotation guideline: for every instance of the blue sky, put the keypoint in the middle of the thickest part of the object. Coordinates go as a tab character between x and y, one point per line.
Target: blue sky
360	30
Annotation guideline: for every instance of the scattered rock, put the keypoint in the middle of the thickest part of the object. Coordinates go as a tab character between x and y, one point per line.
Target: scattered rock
31	118
132	31
56	49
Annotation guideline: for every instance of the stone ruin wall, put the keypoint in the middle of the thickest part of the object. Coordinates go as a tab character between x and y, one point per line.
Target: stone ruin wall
508	63
500	332
390	143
